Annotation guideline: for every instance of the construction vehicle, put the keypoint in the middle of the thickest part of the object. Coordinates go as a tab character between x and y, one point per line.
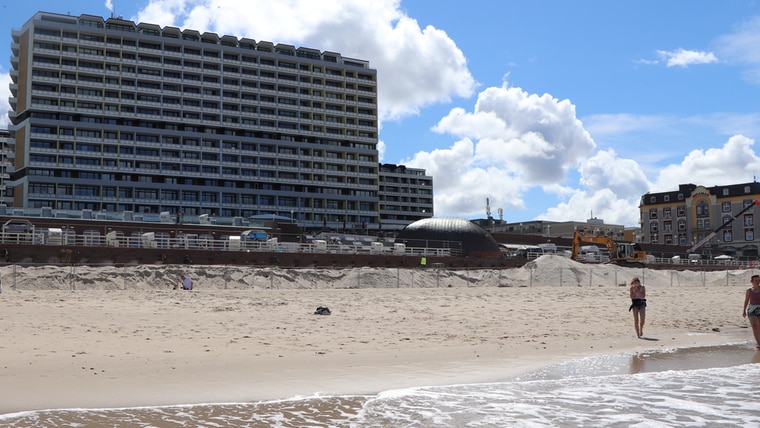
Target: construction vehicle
620	253
707	253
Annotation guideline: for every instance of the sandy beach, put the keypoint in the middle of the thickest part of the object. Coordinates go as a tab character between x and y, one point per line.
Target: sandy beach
94	339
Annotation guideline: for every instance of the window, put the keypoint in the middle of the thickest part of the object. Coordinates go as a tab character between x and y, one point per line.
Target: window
703	209
88	133
151	72
91	38
86	191
42	101
88	148
88	64
48	189
725	207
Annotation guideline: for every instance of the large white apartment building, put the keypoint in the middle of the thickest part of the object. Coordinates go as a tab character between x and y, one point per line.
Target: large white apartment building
109	115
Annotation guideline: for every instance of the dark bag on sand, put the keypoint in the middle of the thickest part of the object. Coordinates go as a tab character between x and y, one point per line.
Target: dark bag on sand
322	310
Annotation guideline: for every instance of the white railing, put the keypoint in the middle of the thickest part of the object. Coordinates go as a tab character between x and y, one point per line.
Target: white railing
229	243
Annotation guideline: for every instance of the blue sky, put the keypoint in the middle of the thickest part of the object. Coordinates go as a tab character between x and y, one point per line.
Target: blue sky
551	110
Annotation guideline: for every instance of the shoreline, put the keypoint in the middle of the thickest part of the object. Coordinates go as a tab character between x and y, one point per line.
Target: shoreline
217	391
115	349
225	385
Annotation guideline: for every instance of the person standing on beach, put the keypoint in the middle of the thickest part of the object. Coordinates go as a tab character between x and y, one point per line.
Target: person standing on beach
638	305
751	308
187	282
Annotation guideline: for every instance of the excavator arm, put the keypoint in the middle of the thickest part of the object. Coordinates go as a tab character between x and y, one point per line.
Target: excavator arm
620	253
712	234
581	238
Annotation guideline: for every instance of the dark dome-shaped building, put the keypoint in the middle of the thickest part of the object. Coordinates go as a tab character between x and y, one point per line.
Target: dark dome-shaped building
454	233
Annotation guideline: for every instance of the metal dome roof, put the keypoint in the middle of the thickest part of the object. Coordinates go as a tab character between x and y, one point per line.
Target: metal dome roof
449	232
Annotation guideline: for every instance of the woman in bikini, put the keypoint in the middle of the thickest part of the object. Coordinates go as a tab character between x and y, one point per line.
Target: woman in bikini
638	305
752	308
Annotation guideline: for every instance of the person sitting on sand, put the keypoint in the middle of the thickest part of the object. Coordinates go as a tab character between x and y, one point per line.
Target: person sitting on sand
638	305
751	308
187	282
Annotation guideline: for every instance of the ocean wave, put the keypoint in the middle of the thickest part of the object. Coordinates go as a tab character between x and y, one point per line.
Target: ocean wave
704	386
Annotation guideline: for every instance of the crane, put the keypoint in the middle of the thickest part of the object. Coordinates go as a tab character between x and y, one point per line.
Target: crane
488	214
712	234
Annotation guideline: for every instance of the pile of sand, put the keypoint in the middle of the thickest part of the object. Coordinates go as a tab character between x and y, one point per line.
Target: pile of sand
548	270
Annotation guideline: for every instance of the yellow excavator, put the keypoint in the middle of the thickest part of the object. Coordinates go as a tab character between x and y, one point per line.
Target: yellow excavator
621	253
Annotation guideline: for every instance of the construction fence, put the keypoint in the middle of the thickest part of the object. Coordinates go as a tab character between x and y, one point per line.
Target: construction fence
218	277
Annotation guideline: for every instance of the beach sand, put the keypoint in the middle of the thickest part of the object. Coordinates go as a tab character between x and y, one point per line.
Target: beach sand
122	342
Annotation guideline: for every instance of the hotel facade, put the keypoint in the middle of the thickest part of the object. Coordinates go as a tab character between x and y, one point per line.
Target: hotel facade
109	115
691	213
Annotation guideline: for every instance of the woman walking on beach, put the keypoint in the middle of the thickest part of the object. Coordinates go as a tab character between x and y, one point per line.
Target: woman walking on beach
638	305
752	308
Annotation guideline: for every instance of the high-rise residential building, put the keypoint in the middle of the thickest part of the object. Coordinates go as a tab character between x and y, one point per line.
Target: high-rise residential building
406	195
692	213
6	166
109	115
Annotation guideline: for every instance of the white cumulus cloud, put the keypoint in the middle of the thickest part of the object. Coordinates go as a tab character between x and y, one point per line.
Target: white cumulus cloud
605	170
603	204
5	107
609	189
510	142
462	182
685	58
735	162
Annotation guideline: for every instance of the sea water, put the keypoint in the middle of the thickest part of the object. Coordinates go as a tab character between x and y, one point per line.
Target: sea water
708	387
